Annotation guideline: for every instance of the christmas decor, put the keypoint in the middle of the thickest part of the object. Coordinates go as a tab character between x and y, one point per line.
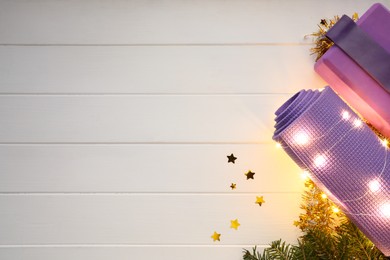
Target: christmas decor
322	43
260	200
319	212
326	234
249	175
356	63
346	157
231	158
216	237
234	224
343	157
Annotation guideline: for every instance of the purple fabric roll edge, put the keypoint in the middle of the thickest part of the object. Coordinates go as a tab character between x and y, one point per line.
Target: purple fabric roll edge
352	82
344	157
371	56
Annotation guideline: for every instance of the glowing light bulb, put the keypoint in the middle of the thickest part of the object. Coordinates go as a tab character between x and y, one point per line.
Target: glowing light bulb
301	138
335	209
278	145
374	185
345	115
385	209
323	195
357	123
305	175
320	161
385	142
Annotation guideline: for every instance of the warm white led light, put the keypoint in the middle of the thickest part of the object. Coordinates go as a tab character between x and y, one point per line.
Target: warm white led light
357	123
385	209
278	145
320	160
305	175
335	209
374	185
323	195
301	138
345	115
385	142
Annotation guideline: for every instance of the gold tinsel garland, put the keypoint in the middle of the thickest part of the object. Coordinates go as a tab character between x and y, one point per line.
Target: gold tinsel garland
322	43
319	212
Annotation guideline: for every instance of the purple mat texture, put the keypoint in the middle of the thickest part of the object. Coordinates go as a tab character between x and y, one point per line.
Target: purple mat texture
359	46
343	156
357	66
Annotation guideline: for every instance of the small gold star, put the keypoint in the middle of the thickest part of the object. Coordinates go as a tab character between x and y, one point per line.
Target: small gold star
233	186
234	224
249	175
216	236
260	200
355	17
231	158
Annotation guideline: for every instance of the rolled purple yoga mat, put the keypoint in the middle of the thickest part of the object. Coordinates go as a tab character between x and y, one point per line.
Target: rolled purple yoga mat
343	155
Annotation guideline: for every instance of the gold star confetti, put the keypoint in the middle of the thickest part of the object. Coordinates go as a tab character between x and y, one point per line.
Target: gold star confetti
249	175
355	16
216	236
233	186
234	224
260	200
231	158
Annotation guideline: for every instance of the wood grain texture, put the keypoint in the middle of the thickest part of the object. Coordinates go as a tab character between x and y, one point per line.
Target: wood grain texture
146	168
156	69
123	253
149	219
165	22
116	118
152	119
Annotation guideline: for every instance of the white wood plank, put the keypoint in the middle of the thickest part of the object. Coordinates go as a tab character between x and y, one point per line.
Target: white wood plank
146	168
168	198
179	69
139	253
173	118
149	219
140	22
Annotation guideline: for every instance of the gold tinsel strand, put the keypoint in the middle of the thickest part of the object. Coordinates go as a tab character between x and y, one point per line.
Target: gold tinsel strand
322	43
319	211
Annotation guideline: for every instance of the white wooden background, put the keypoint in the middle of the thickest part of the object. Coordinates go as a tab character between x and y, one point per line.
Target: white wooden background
116	118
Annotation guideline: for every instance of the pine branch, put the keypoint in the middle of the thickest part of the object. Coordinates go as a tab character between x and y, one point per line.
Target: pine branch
322	244
327	235
255	255
360	245
303	251
279	250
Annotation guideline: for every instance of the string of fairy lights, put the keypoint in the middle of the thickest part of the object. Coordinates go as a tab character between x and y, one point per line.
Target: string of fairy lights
320	160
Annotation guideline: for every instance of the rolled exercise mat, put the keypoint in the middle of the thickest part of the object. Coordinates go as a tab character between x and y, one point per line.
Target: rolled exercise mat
354	72
343	156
